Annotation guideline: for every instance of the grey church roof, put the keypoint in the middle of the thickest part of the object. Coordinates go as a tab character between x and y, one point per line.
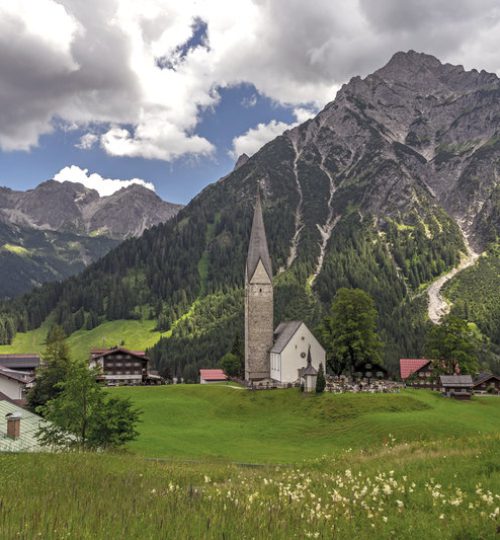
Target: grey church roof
283	334
258	243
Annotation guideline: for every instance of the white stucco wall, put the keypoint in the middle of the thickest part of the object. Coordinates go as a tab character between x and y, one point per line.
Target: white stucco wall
11	388
285	366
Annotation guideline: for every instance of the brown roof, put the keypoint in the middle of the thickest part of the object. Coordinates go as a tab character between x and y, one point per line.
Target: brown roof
100	353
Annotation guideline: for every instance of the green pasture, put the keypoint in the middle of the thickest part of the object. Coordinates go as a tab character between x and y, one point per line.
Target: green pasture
286	426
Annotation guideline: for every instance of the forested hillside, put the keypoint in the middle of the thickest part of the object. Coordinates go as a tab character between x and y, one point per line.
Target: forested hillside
376	192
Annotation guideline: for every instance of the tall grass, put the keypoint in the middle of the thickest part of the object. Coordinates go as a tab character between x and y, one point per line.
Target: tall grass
409	491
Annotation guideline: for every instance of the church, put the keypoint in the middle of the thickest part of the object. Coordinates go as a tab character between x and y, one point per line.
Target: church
288	354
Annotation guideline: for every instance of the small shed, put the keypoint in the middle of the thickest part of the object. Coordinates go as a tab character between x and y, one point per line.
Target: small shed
208	376
457	386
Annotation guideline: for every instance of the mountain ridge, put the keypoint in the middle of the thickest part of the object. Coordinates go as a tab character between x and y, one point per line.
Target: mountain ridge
376	192
72	207
56	229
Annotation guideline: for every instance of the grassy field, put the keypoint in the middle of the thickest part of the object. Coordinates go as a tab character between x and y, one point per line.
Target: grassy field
432	490
285	426
216	462
135	334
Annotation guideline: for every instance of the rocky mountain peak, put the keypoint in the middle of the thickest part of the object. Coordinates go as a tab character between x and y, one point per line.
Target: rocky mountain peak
241	161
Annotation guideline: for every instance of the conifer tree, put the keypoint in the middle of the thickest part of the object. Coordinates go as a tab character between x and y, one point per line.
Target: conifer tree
320	380
55	368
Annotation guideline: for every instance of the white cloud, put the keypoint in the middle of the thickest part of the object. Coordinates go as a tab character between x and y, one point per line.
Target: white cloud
104	62
256	137
104	186
87	141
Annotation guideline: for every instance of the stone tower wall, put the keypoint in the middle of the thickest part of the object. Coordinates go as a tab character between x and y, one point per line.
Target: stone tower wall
258	330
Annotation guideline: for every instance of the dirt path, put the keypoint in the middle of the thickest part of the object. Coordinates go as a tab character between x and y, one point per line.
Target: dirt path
438	306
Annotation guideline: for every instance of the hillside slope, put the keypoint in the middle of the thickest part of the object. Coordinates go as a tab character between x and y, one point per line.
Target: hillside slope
376	192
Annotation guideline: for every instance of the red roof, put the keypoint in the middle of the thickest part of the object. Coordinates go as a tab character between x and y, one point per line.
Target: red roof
213	375
408	366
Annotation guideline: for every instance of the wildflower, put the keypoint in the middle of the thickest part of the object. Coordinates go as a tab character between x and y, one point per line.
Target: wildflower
400	503
441	516
153	491
207	479
384	519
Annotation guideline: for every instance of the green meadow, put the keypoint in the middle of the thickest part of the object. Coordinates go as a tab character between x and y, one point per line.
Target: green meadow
218	462
286	426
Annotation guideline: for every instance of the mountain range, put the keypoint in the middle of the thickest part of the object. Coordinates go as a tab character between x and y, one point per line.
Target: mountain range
55	230
391	185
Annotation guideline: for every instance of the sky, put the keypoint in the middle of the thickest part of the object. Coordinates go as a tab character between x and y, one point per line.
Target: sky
169	93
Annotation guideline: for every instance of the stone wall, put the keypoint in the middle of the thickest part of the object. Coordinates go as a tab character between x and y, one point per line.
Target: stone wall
258	330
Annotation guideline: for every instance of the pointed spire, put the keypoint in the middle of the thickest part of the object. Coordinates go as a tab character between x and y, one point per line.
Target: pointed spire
309	369
257	249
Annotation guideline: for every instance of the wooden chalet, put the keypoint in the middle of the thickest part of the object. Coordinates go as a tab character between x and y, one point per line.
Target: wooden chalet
119	366
487	383
457	386
416	371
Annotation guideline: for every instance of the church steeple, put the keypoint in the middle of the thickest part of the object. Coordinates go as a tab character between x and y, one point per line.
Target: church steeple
258	302
257	250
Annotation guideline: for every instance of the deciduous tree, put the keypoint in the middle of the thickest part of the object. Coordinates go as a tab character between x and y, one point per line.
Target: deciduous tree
349	332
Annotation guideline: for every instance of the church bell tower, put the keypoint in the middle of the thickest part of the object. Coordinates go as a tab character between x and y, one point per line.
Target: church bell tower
258	302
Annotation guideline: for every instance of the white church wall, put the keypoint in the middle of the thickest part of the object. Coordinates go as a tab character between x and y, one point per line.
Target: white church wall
285	366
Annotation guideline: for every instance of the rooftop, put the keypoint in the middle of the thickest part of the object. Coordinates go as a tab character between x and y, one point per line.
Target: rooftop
97	353
19	361
283	334
213	375
462	381
30	424
409	366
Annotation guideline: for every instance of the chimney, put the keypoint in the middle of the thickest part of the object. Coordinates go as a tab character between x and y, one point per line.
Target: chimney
13	425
